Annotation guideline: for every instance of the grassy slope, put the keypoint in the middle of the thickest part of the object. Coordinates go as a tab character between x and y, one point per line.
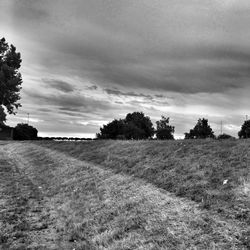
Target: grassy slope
96	208
192	169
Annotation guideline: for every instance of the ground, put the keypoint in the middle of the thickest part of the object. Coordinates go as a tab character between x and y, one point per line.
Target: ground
52	198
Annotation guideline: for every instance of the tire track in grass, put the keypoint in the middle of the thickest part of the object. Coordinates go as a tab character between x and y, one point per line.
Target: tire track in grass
25	221
97	209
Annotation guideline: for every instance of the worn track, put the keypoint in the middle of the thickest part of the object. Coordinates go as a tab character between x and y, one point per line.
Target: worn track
49	200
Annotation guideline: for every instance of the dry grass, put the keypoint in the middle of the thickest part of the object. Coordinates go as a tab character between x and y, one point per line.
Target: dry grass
194	169
91	207
246	187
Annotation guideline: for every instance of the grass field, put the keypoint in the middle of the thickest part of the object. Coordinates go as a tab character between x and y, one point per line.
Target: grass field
125	195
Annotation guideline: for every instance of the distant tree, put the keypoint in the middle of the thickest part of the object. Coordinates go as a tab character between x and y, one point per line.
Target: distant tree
25	132
201	130
163	130
139	126
224	136
131	131
10	77
112	130
135	126
245	130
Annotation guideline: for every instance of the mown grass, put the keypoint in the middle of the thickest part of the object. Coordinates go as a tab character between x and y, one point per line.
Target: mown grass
94	208
195	169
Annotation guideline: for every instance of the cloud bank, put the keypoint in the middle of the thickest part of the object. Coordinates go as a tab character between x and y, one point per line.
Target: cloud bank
84	59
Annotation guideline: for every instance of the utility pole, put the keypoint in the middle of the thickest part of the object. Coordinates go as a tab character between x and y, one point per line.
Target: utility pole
28	118
221	127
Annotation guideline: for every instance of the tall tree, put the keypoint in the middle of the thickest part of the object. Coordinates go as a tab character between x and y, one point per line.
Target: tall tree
164	131
245	130
10	77
113	130
143	127
201	130
135	126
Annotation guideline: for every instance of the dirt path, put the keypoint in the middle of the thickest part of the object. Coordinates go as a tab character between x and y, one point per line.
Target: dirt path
51	201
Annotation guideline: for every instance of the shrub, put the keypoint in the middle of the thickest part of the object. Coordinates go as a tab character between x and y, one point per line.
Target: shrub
224	136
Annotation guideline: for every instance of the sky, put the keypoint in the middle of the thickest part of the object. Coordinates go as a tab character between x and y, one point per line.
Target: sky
87	62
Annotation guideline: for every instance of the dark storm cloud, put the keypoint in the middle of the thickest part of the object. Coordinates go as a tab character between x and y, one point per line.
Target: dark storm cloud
197	70
59	85
179	47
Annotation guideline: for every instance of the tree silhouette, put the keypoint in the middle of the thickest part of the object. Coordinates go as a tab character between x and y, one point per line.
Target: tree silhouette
245	130
2	115
201	130
25	132
10	77
112	130
138	126
163	130
135	126
224	137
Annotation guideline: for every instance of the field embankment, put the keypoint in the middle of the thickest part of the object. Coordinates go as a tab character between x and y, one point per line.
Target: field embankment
113	195
215	174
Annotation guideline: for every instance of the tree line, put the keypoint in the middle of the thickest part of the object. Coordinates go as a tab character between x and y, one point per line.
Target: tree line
137	126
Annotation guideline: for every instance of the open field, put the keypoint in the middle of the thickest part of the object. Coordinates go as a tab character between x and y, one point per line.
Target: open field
125	195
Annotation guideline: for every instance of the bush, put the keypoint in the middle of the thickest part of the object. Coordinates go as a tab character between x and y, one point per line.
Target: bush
25	132
224	137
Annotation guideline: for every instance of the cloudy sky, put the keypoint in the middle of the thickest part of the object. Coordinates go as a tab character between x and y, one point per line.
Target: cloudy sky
86	62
